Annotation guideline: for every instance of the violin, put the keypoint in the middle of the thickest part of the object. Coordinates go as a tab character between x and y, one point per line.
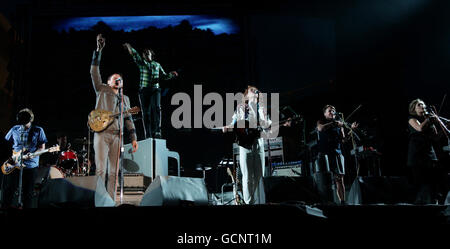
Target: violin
430	113
357	131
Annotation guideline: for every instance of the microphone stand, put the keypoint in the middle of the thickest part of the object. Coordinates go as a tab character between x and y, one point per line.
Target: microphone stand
19	188
120	161
269	157
352	135
444	129
142	116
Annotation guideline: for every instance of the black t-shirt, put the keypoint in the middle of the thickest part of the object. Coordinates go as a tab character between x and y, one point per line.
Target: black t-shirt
329	138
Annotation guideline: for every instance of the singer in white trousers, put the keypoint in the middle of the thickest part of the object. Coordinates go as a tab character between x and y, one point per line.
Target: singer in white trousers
251	157
252	166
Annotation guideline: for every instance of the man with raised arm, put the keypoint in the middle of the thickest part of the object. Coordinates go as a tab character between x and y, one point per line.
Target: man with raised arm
106	142
151	72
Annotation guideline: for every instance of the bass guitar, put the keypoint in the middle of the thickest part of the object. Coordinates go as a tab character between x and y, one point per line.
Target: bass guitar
99	120
16	160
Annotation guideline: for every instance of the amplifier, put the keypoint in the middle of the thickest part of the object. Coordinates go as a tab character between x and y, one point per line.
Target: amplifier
136	181
276	149
288	169
275	144
446	148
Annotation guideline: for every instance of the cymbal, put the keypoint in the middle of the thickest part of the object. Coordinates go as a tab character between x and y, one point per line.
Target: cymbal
225	163
82	141
201	167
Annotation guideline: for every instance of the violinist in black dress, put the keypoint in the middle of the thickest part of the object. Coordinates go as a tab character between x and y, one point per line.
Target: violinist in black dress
331	136
422	159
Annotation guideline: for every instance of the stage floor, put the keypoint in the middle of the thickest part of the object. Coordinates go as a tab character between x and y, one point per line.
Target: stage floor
285	225
275	218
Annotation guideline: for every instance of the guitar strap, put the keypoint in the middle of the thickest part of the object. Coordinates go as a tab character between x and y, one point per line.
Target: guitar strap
24	138
246	111
30	138
257	113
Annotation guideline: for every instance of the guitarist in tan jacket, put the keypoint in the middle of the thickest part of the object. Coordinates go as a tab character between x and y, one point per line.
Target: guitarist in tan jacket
106	142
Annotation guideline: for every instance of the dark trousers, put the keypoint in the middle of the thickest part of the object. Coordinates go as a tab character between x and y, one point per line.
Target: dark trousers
151	104
429	181
11	184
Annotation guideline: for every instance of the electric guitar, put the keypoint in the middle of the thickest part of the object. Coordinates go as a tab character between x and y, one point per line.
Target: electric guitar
16	161
99	120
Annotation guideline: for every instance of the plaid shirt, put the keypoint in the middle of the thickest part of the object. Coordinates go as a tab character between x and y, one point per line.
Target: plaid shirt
150	72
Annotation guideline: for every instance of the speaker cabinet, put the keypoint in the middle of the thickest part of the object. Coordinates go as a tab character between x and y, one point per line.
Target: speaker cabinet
82	191
380	189
175	191
280	189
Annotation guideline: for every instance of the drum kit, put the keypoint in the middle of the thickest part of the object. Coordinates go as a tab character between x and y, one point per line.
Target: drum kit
72	163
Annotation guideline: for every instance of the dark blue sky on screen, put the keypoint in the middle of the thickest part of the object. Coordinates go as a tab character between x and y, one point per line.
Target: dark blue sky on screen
217	25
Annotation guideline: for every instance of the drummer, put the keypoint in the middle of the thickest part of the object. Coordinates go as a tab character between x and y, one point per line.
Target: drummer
52	159
62	141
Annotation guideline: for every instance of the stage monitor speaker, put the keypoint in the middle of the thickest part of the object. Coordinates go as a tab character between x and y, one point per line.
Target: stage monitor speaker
152	155
280	189
380	190
81	191
175	191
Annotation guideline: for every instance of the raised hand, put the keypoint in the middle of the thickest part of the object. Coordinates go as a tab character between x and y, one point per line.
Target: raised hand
225	129
127	46
100	42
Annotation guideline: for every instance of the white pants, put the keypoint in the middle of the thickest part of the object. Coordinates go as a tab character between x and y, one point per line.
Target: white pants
106	146
252	166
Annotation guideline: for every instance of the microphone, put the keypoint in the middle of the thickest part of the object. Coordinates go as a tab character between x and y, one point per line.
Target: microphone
117	81
257	91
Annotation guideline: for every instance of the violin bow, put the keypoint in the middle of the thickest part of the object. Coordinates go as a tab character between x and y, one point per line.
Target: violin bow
442	103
